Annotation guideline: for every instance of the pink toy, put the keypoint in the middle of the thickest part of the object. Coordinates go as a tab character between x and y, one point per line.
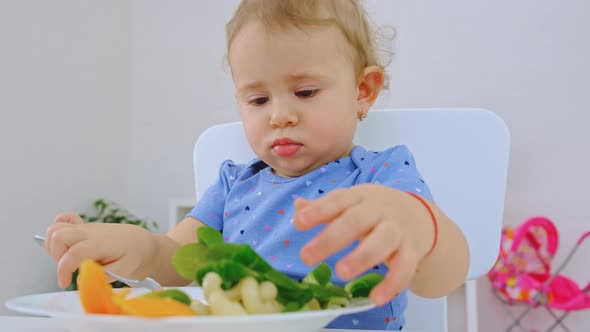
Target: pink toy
522	274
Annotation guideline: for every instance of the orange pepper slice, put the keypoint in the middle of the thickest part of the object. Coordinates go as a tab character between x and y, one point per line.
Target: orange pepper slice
154	307
96	293
97	297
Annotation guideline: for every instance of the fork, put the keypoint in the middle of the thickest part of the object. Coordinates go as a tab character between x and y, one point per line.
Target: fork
147	283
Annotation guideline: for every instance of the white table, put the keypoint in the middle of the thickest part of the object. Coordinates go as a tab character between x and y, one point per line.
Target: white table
29	324
39	324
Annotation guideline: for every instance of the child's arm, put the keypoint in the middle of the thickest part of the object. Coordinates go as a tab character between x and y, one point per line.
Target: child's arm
393	228
446	266
160	267
128	250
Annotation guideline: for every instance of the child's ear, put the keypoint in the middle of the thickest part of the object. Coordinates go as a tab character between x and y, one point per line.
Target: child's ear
370	84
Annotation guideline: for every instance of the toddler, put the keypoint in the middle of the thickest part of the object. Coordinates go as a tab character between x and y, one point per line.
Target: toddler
305	73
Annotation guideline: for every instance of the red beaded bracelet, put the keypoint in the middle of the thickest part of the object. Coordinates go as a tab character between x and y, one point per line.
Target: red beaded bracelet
434	221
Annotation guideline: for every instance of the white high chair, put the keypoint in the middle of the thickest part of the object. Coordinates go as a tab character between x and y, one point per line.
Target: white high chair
461	153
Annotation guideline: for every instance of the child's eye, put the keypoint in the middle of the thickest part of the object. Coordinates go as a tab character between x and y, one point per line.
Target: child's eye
258	101
306	93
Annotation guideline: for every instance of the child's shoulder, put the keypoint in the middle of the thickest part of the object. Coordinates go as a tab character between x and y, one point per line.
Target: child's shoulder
368	158
232	170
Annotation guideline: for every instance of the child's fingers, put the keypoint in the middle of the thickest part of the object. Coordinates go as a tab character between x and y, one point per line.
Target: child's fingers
301	202
50	231
60	240
69	217
351	225
72	259
62	225
323	210
383	240
402	267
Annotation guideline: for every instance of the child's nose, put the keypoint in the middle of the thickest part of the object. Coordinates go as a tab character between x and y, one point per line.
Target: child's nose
283	116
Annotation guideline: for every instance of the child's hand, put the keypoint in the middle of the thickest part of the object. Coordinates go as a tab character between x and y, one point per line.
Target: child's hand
69	241
392	226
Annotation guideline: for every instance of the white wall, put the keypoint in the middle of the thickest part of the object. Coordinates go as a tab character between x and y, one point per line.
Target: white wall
525	60
181	88
64	117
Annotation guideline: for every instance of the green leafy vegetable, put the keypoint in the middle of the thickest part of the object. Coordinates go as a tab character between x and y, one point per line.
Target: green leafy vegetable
362	286
231	272
188	259
321	275
174	294
209	236
232	262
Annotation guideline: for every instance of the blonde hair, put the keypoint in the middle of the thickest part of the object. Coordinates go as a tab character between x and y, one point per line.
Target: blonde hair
348	16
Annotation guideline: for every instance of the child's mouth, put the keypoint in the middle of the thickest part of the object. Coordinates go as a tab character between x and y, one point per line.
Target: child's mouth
285	147
286	150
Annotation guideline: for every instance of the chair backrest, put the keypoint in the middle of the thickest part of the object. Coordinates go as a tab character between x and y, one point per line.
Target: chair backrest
461	153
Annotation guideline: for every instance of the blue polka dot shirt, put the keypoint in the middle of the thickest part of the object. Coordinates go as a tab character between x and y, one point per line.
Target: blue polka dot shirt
250	204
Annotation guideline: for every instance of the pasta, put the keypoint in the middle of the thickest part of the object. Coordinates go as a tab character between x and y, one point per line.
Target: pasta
247	297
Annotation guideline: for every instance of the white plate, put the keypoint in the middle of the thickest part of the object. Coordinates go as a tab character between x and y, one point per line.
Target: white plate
65	306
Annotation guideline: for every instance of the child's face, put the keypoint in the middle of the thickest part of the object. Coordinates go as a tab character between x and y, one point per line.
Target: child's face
297	95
